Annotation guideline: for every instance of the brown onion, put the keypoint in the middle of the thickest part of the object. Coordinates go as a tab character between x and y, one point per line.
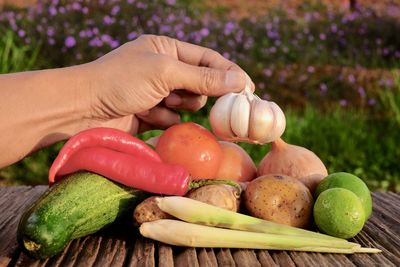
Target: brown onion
295	161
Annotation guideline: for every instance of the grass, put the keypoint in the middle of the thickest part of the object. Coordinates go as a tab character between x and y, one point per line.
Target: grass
16	56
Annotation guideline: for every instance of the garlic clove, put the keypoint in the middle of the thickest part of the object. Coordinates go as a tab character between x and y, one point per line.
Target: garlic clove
261	121
240	115
279	122
220	116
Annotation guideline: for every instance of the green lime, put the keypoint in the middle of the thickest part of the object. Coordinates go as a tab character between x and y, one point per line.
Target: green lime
350	182
338	212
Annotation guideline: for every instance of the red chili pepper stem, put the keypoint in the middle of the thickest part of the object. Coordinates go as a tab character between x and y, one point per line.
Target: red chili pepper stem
199	183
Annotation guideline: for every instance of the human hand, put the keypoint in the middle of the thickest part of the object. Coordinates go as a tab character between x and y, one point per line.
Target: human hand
140	85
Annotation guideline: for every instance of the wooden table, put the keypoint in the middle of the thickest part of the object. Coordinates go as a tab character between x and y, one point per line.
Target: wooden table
122	245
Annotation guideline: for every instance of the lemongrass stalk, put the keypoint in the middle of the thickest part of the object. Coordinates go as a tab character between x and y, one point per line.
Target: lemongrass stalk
193	211
180	233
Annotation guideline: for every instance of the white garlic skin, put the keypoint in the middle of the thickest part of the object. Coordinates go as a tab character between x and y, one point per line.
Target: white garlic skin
246	118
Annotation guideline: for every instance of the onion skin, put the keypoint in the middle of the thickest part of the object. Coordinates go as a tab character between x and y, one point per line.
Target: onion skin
294	161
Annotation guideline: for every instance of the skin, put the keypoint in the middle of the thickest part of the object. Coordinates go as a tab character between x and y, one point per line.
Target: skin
136	87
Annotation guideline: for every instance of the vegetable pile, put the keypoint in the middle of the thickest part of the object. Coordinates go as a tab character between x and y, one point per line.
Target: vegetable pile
218	197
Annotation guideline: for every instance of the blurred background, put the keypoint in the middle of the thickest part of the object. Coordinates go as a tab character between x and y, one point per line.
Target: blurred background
333	66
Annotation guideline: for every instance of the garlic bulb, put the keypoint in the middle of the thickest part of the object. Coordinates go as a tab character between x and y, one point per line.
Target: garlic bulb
247	118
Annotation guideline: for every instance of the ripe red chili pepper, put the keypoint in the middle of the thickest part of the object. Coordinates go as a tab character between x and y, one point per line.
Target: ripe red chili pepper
130	170
135	171
102	137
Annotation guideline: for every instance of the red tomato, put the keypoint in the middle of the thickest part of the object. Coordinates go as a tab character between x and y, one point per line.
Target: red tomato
193	147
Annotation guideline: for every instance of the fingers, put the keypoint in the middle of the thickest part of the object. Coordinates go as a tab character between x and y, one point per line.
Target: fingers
181	99
204	80
158	117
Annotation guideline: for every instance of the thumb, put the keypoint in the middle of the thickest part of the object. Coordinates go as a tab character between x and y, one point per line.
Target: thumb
207	81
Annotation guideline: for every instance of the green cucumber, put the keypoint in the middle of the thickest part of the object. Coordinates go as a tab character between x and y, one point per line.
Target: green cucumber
79	205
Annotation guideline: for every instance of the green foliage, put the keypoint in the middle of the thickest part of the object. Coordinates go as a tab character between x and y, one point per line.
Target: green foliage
390	98
14	55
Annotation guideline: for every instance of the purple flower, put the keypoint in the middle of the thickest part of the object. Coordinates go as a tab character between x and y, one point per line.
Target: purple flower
343	102
323	88
334	28
70	42
85	10
311	69
261	85
39	28
107	20
229	27
114	43
351	78
361	92
322	36
187	20
165	28
268	72
180	34
204	32
303	78
106	38
385	51
131	1
52	11
50	31
21	33
61	10
51	41
171	2
76	6
95	42
372	101
115	10
132	35
226	55
141	5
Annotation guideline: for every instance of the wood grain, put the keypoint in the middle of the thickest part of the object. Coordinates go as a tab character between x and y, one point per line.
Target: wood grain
122	245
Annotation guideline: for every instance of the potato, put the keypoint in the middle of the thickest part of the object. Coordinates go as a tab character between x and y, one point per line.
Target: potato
279	198
148	211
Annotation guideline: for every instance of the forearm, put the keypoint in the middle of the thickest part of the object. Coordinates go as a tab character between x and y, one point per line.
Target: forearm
39	108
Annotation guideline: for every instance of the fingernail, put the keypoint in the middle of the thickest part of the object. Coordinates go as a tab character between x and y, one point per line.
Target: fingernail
233	79
173	100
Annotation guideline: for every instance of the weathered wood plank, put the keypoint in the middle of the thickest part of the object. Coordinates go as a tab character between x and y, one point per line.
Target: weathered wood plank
224	257
165	255
10	218
361	259
143	253
185	257
319	259
245	257
265	259
282	258
206	257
